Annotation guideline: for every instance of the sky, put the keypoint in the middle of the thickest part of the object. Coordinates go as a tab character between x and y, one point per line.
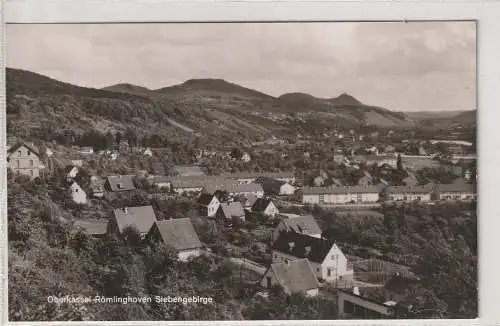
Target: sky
414	66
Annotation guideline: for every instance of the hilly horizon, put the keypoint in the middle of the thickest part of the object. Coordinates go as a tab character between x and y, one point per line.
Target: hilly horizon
212	108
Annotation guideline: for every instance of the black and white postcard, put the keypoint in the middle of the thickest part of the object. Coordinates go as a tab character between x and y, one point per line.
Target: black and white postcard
242	171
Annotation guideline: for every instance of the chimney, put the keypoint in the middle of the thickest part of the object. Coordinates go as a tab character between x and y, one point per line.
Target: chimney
291	245
356	290
125	210
308	250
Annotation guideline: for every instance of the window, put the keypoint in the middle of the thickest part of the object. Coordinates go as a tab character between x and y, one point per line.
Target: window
19	153
31	163
329	272
286	261
31	172
29	152
275	256
317	269
18	164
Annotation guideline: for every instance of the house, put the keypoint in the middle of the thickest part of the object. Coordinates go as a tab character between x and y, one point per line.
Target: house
305	224
97	186
245	189
265	206
24	159
94	227
49	152
178	234
246	157
339	158
148	152
187	171
77	194
296	276
352	305
422	151
230	212
286	189
389	149
319	181
327	260
209	204
119	183
140	217
249	201
409	193
340	195
157	168
160	182
77	163
86	150
410	180
113	156
457	191
251	177
71	172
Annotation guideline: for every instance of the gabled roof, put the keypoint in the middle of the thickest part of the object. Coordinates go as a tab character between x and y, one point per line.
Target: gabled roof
188	170
232	209
295	276
340	190
261	204
31	147
205	199
301	224
120	183
251	175
142	217
179	233
303	246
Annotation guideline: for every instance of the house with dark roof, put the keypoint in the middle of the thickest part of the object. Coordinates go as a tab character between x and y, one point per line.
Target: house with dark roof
409	193
340	195
305	224
178	234
25	159
245	189
455	191
354	305
327	260
229	213
265	206
208	204
296	276
119	183
140	217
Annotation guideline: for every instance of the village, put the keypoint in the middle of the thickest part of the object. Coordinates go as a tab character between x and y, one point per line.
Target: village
264	219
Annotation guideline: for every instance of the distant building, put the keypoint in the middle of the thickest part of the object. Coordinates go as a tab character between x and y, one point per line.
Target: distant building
178	234
77	194
245	189
246	157
123	146
340	195
209	204
86	150
296	276
462	191
71	172
380	160
409	193
230	213
251	177
286	189
193	170
265	206
327	260
140	217
97	186
119	184
305	224
148	152
24	159
351	305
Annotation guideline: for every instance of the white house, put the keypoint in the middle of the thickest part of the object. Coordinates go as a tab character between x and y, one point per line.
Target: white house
72	172
340	195
286	189
327	260
209	204
409	193
148	152
77	194
296	276
265	206
246	157
86	150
